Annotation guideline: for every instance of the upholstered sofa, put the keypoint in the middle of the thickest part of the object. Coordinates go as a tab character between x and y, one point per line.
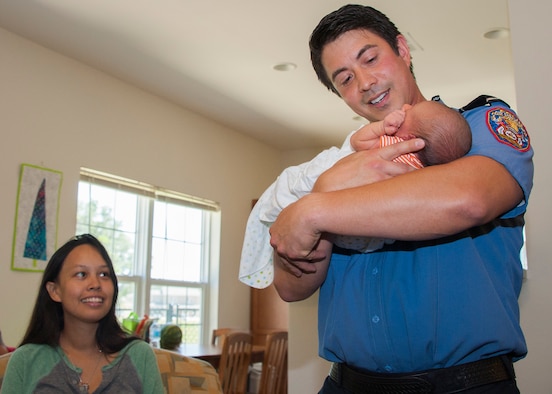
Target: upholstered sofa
180	374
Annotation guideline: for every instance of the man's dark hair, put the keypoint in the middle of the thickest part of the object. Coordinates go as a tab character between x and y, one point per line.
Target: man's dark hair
347	18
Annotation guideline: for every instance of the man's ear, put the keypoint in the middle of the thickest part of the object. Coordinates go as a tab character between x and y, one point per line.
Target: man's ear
404	49
51	287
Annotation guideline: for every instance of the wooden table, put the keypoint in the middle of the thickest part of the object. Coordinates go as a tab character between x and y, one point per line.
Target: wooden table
212	353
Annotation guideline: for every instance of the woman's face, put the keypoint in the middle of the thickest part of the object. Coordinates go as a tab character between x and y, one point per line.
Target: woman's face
84	286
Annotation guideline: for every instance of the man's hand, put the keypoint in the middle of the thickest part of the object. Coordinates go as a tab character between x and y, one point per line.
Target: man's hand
296	240
369	166
296	280
297	267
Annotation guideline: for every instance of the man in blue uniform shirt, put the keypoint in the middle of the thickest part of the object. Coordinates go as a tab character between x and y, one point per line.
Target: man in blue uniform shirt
437	311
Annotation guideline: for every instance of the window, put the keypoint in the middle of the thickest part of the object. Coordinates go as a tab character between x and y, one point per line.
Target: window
523	255
162	244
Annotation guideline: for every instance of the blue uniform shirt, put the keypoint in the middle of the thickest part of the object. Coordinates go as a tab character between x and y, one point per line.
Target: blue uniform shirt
413	306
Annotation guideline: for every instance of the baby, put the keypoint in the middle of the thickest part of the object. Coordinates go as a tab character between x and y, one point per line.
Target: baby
447	136
445	131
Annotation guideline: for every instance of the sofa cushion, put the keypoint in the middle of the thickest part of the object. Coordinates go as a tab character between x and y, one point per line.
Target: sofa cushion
181	374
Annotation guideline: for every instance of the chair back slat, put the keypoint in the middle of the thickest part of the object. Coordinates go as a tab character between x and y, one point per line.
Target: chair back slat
274	371
234	362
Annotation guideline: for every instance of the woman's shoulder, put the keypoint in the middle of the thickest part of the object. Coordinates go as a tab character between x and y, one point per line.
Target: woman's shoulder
135	349
34	350
44	356
138	345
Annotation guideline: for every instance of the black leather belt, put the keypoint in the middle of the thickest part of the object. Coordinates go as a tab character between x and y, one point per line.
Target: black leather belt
442	381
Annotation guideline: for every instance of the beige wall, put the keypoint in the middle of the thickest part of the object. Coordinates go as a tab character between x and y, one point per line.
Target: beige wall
531	29
60	114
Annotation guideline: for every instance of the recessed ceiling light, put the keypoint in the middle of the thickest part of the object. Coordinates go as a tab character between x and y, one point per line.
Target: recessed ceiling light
285	66
498	33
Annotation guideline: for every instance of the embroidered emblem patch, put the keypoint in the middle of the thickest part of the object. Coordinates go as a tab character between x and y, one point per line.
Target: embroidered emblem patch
508	129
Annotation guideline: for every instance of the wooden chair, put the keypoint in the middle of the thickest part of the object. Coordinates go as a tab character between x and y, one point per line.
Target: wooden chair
274	371
234	362
219	334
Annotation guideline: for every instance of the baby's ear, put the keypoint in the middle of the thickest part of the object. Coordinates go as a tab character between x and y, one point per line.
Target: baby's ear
406	107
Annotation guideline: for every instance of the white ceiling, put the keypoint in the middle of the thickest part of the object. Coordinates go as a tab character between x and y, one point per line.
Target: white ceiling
215	57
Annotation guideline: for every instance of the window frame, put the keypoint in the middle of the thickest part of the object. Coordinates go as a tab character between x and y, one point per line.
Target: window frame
141	278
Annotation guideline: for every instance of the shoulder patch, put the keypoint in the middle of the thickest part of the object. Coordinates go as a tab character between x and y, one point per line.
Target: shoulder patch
508	129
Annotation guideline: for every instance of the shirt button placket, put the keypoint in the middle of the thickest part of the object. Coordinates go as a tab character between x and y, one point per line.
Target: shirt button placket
378	326
375	296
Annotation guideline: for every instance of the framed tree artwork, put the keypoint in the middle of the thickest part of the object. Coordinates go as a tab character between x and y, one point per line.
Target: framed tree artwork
36	218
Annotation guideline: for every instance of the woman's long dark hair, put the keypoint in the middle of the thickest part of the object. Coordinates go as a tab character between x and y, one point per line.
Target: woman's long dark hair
47	321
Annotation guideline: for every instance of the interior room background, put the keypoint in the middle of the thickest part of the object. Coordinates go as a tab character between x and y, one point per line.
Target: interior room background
60	114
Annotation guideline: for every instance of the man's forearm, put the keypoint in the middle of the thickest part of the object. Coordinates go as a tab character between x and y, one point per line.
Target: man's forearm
424	204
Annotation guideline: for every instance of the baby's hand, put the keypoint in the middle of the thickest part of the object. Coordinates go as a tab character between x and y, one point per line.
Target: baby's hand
393	121
367	137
